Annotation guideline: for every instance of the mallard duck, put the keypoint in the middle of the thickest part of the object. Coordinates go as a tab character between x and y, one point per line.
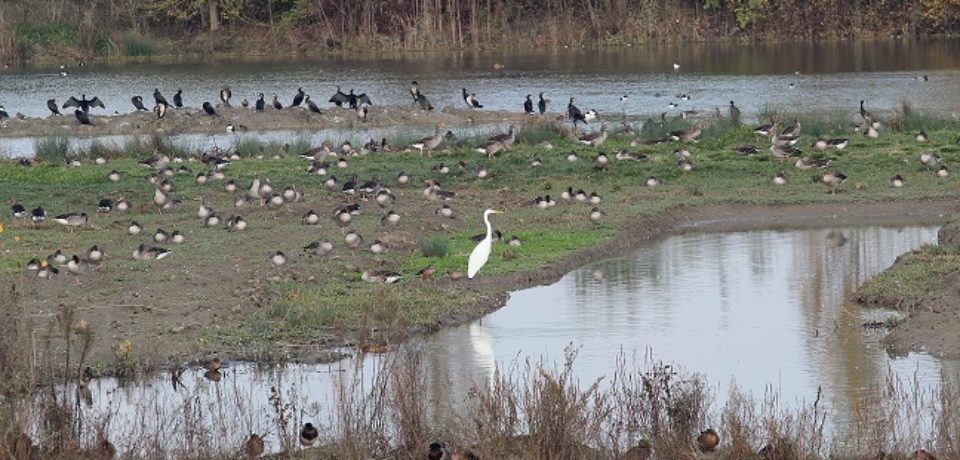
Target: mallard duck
160	235
708	440
308	435
278	258
897	181
114	176
779	178
596	215
318	248
390	218
254	446
380	276
143	252
71	220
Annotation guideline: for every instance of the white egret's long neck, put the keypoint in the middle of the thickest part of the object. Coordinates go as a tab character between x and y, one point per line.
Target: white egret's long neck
486	220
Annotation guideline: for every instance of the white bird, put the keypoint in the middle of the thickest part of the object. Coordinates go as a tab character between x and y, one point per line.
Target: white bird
480	254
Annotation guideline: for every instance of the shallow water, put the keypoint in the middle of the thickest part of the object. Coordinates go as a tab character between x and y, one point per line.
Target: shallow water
765	309
826	77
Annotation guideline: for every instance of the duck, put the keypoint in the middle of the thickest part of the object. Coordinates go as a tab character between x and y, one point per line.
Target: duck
471	99
590	115
810	163
71	220
596	138
380	276
747	150
428	143
143	252
779	179
308	435
708	440
897	181
426	273
318	248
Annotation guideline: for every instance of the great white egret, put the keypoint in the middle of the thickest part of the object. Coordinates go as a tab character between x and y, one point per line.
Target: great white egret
481	253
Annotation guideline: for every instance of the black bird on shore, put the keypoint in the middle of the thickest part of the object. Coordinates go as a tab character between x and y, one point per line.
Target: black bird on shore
82	117
260	103
138	103
423	102
311	105
276	103
352	99
528	104
83	103
52	105
574	113
415	91
158	98
542	104
178	99
225	95
3	113
339	98
471	100
298	98
208	107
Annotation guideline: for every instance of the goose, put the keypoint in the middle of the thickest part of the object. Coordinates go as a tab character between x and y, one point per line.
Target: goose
572	157
308	435
77	266
122	204
225	95
208	108
235	224
260	103
747	150
310	218
143	252
528	104
601	162
783	151
833	179
445	211
201	178
276	103
820	145
212	220
160	110
331	183
278	258
378	247
506	139
160	235
687	135
481	172
426	273
380	276
471	99
653	182
542	104
384	198
921	136
230	186
83	103
342	216
114	176
779	178
292	194
594	139
177	238
866	115
414	91
765	130
792	130
138	103
596	215
838	143
870	129
298	98
428	143
52	106
312	106
82	117
779	139
71	220
625	155
491	148
810	163
352	239
177	99
929	158
708	440
362	111
685	164
318	248
390	218
134	228
574	113
897	181
943	171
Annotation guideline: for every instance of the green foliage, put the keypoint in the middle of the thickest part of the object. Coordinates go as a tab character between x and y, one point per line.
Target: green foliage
435	246
246	146
135	45
47	34
52	149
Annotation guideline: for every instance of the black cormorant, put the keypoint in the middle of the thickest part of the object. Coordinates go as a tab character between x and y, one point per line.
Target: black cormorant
339	98
298	98
208	107
574	113
260	103
542	104
528	104
52	105
158	98
138	103
311	105
82	117
83	103
178	99
276	103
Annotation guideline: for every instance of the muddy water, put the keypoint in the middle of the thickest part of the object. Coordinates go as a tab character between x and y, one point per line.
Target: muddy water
766	310
808	77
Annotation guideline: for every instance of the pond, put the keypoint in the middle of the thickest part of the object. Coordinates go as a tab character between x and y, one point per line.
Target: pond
765	310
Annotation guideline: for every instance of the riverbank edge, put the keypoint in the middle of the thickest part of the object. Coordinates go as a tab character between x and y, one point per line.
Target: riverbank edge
651	228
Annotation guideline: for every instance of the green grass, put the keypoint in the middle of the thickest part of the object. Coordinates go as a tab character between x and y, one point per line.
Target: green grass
52	149
135	45
912	279
47	34
337	302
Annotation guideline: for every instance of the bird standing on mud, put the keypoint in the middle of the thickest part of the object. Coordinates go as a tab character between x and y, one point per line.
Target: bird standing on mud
574	113
480	254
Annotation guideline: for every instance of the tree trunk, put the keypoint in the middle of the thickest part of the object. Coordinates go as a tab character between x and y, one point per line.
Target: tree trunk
214	15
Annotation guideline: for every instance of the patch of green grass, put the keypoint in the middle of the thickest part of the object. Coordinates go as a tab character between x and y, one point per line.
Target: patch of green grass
434	246
912	279
52	149
46	34
136	45
247	146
